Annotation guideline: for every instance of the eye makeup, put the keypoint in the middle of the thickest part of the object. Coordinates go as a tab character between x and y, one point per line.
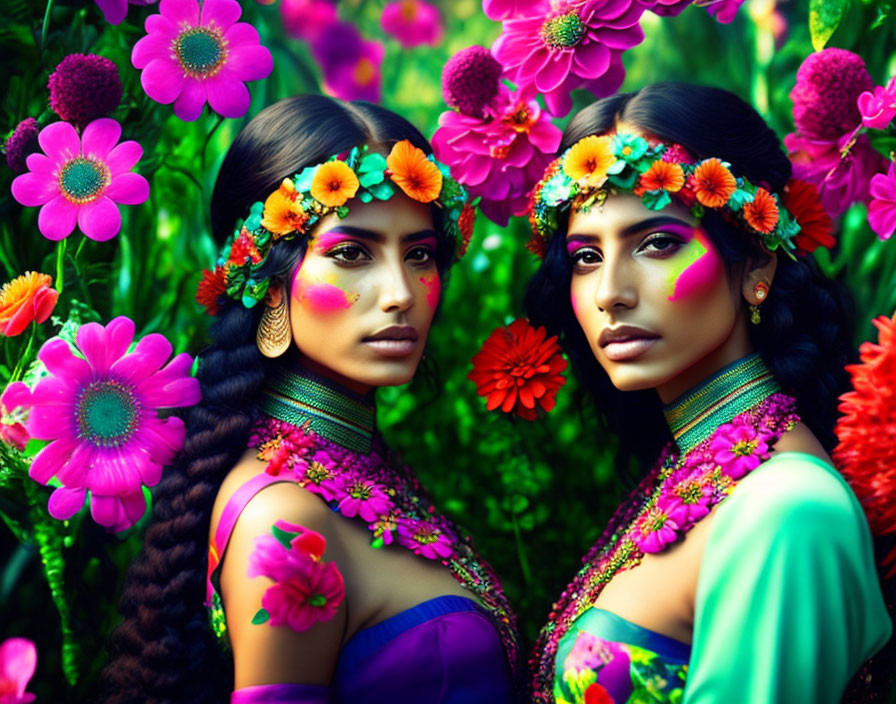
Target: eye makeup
330	239
697	264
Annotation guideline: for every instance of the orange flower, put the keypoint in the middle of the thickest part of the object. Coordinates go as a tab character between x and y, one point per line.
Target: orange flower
762	213
518	370
588	160
465	222
662	175
413	173
713	183
27	297
865	454
282	213
211	287
816	227
334	183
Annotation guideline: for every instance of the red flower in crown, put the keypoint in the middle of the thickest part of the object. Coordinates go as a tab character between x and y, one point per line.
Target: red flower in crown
518	370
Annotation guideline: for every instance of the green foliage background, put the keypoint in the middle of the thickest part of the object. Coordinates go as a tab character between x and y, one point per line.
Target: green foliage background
534	495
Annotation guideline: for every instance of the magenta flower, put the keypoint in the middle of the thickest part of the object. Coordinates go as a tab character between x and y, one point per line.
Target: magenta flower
359	79
426	539
21	143
190	58
114	11
84	87
306	19
470	81
99	408
412	23
687	498
306	590
364	498
385	526
80	180
18	660
882	210
723	10
878	108
499	157
738	449
657	528
505	9
566	44
318	475
14	402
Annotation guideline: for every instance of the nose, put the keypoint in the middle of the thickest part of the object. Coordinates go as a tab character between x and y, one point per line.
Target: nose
616	287
396	292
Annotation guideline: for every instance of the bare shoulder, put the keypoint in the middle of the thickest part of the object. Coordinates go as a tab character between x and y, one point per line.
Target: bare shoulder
801	439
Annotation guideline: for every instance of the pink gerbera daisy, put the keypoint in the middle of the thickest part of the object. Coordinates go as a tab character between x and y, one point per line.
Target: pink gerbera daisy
567	44
189	58
364	498
412	22
738	449
882	210
425	539
80	179
657	528
99	408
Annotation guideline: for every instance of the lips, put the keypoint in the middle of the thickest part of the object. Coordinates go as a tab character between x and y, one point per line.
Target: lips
394	332
393	341
626	342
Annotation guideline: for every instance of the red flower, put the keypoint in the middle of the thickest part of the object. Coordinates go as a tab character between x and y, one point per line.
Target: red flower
518	370
598	694
211	287
865	455
802	201
465	223
762	213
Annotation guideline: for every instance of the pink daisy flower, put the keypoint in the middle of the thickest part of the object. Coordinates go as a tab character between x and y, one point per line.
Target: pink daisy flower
364	498
13	414
18	660
190	58
306	590
318	475
385	526
99	408
688	498
505	9
114	11
412	23
567	44
657	528
81	179
882	210
499	157
359	79
306	19
878	108
738	449
426	539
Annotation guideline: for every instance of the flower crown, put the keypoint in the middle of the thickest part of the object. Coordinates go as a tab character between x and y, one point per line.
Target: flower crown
301	201
598	166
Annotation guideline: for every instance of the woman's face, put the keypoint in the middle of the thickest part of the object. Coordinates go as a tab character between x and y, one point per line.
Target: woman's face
363	298
651	293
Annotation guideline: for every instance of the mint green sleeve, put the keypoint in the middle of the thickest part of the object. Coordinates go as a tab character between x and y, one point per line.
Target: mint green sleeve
788	602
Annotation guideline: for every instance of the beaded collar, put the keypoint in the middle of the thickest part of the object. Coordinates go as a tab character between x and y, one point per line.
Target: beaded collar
729	425
309	441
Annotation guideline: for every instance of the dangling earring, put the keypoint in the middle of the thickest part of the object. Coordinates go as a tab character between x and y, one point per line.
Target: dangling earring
754	314
760	291
273	335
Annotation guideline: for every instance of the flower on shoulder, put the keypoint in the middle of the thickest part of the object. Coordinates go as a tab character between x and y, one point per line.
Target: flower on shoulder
688	497
334	183
738	448
412	22
306	589
18	660
865	454
318	475
656	529
882	209
385	526
425	538
25	299
413	173
15	399
713	183
802	201
362	497
99	408
519	370
80	179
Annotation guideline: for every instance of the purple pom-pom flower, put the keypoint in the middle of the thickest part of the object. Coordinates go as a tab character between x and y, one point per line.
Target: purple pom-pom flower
21	143
84	87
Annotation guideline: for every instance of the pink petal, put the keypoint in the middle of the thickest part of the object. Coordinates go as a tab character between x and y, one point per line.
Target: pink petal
180	11
153	46
123	157
163	439
554	72
592	60
128	189
65	503
227	96
18	660
75	473
60	141
38	163
44	302
16	395
34	189
113	473
160	25
249	62
882	218
100	220
220	13
60	362
50	459
534	64
92	342
99	137
107	510
188	107
57	218
558	102
148	356
162	81
53	420
114	11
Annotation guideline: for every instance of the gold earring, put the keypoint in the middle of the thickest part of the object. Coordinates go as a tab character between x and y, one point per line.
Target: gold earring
754	314
273	335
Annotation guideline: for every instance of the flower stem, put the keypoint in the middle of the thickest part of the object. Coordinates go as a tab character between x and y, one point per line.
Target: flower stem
209	139
46	25
60	264
20	365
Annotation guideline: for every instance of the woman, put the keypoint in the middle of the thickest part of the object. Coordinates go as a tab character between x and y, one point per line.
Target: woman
330	577
740	569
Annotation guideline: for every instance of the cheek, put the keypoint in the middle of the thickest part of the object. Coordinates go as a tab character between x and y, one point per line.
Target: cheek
699	269
321	297
433	286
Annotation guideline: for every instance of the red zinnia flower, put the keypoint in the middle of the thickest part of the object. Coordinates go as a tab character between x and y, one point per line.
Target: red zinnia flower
802	201
518	370
865	455
211	288
762	213
713	183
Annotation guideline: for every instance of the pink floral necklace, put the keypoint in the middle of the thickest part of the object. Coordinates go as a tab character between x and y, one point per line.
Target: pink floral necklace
726	428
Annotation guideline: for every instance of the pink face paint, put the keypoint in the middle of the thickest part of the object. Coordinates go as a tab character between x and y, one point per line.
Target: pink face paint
328	240
698	265
428	242
321	296
433	285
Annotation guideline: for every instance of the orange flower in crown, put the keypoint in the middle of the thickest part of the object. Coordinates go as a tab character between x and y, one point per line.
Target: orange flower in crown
588	160
662	175
713	183
413	173
762	213
283	213
334	183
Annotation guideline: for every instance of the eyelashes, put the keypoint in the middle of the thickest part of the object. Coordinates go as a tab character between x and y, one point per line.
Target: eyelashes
351	253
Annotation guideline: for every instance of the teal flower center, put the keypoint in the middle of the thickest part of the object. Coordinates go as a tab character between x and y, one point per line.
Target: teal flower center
563	31
201	52
83	180
107	413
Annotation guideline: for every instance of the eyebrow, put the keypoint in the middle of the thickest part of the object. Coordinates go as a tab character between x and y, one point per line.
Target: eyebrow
636	227
373	236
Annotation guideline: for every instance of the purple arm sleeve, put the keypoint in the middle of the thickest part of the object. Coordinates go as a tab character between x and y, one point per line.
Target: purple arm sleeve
282	694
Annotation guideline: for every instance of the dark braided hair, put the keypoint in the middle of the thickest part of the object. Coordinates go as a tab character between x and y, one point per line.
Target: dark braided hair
164	650
805	336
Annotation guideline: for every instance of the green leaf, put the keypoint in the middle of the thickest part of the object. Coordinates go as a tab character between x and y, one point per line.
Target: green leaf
260	617
656	200
824	18
283	537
